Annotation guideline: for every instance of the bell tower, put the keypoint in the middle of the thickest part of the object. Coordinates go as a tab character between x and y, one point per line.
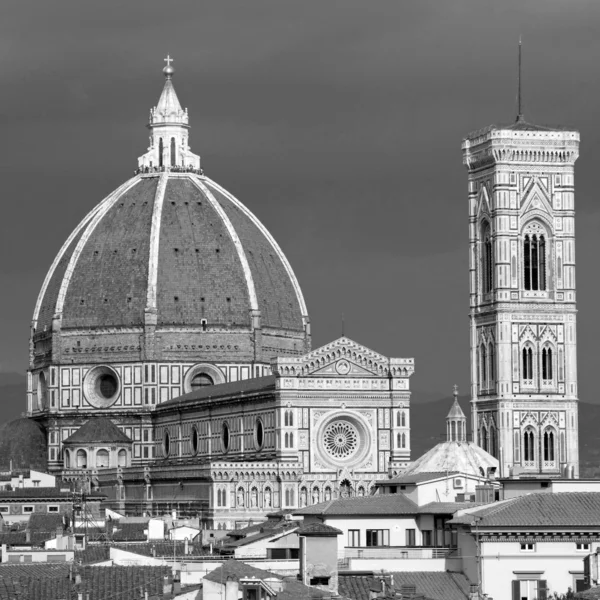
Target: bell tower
522	296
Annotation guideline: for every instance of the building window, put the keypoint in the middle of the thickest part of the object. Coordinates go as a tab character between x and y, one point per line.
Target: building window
67	459
319	581
527	355
27	509
529	589
289	497
400	419
492	365
289	418
411	537
528	547
378	537
427	537
487	261
483	441
81	459
194	440
4	509
547	374
549	445
102	459
534	262
583	546
166	443
122	458
201	380
482	367
528	446
53	508
354	538
173	152
225	437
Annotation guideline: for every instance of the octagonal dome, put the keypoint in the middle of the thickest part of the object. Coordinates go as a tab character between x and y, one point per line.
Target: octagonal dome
172	255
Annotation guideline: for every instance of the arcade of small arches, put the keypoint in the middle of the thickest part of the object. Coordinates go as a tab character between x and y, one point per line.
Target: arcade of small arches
96	458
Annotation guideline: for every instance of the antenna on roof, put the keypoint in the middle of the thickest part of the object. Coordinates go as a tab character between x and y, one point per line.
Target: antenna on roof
519	108
343	325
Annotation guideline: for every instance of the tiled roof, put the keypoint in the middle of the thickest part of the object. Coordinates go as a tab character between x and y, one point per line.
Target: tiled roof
385	504
92	554
590	594
269	532
292	590
44	581
434	585
163	548
127	532
319	529
45	522
565	509
15	538
32	493
98	429
212	392
417	477
447	508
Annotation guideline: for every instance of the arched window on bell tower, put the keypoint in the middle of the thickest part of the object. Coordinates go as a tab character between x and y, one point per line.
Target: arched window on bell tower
173	155
534	258
547	367
487	260
160	152
482	367
527	364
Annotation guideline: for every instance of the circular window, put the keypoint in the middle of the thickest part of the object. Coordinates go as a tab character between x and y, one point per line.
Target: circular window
259	434
194	440
101	387
166	443
201	380
225	437
341	439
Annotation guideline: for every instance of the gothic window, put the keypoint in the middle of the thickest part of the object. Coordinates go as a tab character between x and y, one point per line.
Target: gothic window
160	152
173	152
527	355
492	441
549	445
517	447
534	261
492	366
289	418
399	440
528	446
484	439
67	459
289	497
547	374
563	449
404	440
487	268
482	367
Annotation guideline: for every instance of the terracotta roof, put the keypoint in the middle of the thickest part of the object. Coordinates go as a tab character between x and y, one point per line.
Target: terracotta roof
565	509
435	585
447	508
589	594
268	532
98	429
319	529
417	477
47	581
213	392
292	590
163	548
92	554
384	504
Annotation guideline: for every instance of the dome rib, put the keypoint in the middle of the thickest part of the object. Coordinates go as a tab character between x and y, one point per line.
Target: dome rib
234	238
106	205
84	223
159	198
271	240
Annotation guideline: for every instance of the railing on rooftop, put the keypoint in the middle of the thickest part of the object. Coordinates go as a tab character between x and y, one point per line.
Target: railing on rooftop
172	169
401	552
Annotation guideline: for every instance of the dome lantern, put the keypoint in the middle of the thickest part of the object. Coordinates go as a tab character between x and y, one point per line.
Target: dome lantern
456	422
169	125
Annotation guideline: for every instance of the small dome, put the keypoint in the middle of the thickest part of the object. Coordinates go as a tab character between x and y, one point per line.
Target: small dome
464	457
29	455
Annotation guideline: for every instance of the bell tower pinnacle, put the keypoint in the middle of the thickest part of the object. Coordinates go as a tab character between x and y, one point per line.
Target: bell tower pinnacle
169	128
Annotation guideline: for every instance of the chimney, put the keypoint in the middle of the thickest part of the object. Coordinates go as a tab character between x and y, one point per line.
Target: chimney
473	592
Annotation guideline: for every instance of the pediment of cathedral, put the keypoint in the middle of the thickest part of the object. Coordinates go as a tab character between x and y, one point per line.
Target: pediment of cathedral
343	358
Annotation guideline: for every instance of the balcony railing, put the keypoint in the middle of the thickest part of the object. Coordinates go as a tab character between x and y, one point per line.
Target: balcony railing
414	552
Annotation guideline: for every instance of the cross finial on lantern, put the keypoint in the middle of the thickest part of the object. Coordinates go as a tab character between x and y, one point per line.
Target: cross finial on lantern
169	70
168	60
455	390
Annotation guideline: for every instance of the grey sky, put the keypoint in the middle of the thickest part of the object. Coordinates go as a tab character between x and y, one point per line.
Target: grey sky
338	124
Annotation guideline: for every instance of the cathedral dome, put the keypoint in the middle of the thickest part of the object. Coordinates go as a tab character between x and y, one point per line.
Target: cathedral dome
14	450
171	255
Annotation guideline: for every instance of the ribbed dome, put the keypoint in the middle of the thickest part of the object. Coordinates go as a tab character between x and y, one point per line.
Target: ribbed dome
190	250
170	254
23	442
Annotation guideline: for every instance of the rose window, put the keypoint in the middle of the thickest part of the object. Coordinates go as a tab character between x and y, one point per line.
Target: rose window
341	439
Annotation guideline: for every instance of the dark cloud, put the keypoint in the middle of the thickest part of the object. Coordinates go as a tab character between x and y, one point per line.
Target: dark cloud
338	123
